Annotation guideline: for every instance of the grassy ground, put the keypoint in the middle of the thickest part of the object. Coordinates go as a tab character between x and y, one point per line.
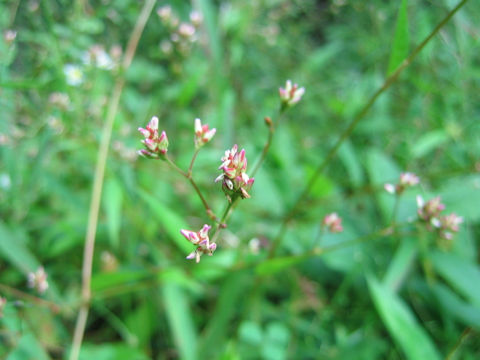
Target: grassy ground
280	285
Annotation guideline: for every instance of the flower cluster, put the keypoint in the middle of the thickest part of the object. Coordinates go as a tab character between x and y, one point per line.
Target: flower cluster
333	222
38	280
407	179
182	34
156	145
235	181
202	133
430	213
201	241
291	94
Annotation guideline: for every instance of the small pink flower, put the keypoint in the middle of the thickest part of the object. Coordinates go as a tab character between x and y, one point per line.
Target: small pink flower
202	133
333	222
407	179
201	240
291	94
235	180
429	211
38	280
449	224
156	145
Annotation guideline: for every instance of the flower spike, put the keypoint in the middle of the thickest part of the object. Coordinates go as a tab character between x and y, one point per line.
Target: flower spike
291	95
202	133
156	146
235	181
201	240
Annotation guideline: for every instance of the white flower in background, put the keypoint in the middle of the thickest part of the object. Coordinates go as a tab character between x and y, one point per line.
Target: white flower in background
98	57
5	181
73	74
38	280
196	18
9	36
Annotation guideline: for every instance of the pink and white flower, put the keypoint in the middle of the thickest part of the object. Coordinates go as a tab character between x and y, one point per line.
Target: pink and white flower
235	180
202	133
38	280
291	94
156	145
201	240
449	224
333	222
407	179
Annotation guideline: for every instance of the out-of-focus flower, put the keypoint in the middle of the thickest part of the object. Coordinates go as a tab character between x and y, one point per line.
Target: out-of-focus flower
60	100
202	242
3	302
73	74
165	13
38	280
333	222
5	181
202	133
291	94
9	36
166	47
449	224
196	18
430	211
116	53
407	179
186	30
109	261
156	145
235	181
97	56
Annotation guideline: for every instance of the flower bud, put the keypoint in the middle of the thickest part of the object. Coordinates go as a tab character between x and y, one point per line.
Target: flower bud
38	280
201	240
202	133
291	94
156	145
333	222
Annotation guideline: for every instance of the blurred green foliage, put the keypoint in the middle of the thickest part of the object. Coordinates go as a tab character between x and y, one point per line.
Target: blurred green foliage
391	296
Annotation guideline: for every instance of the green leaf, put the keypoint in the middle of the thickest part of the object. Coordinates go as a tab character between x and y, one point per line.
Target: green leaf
462	196
452	305
429	142
113	200
230	294
171	222
180	320
103	281
460	274
382	169
400	264
14	250
272	266
401	39
401	323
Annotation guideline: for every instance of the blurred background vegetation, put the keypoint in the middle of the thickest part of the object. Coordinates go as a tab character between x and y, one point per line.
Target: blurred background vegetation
393	296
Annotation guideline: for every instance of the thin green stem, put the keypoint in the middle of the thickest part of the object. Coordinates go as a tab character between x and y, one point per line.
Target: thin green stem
98	181
353	124
221	223
190	168
188	176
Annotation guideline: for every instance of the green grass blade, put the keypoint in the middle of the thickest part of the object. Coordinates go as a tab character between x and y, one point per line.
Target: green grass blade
460	274
401	323
180	320
401	39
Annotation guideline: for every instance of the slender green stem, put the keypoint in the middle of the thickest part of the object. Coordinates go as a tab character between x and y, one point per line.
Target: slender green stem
349	130
395	209
98	181
190	168
465	334
188	176
221	223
